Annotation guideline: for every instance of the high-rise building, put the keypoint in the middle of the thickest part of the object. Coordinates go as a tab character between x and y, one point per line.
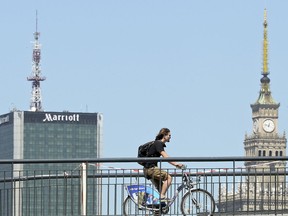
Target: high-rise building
44	135
50	135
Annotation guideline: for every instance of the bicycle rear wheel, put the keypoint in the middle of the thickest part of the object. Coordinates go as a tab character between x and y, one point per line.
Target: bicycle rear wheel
197	202
130	208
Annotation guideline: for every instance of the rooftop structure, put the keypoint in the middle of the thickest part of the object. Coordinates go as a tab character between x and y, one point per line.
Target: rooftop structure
36	78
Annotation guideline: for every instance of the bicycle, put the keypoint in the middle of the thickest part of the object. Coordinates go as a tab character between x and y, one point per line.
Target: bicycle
143	199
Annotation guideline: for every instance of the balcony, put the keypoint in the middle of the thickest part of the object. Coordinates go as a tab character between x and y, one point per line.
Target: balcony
97	186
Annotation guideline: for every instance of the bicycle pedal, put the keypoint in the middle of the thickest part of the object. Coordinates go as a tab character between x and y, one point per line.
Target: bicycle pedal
163	205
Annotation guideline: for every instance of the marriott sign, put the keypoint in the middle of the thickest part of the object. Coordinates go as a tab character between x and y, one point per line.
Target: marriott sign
60	117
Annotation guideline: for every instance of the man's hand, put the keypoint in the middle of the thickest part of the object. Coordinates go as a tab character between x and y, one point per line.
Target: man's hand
181	166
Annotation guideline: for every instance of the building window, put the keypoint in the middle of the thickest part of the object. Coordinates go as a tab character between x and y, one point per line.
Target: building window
259	153
281	153
270	153
264	153
272	168
276	153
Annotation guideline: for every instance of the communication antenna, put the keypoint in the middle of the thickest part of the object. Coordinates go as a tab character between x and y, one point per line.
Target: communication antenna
36	78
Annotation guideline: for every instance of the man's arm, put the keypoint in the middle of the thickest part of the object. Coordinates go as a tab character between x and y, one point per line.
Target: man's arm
165	155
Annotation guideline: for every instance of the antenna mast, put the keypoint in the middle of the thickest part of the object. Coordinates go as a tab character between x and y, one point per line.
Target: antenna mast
35	78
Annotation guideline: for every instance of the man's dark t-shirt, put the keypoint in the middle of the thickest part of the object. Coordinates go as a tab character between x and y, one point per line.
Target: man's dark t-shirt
154	151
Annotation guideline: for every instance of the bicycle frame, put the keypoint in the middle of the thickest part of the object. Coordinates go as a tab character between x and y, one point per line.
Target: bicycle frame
176	194
185	183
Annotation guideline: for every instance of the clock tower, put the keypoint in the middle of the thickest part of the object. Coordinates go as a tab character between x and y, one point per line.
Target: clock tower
265	140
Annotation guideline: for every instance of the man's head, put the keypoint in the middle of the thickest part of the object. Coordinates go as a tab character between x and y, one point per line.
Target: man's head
164	135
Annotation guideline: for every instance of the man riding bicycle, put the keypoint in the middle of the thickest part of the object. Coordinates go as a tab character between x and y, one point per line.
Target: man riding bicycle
160	178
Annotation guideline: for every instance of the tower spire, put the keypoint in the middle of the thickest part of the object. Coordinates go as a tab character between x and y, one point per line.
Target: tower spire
265	96
35	78
265	46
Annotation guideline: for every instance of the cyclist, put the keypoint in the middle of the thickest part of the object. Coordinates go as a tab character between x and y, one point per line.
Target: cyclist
160	178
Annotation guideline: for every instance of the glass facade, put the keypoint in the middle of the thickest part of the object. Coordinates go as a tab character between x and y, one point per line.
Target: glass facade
48	135
6	136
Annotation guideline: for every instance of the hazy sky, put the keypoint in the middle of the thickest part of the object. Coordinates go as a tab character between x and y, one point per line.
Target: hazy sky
192	66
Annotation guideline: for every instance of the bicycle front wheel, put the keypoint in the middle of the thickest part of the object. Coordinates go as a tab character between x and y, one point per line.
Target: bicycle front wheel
197	202
130	208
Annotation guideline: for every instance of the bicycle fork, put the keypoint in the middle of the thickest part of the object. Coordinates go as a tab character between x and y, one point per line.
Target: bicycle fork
195	202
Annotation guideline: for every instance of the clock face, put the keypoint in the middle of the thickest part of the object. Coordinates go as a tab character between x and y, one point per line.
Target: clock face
268	125
255	126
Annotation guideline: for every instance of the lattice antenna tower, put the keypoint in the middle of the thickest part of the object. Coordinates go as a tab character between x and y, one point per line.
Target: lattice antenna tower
36	78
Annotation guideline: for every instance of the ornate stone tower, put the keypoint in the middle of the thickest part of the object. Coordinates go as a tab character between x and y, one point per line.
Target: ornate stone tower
265	140
263	191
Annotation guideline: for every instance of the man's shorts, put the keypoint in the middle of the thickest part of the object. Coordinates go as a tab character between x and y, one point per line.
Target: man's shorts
156	175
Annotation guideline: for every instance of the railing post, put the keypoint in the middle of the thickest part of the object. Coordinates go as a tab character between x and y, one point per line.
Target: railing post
83	182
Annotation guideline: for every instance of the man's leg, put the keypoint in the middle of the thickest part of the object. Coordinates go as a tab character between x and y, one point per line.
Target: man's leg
164	180
166	184
157	184
161	179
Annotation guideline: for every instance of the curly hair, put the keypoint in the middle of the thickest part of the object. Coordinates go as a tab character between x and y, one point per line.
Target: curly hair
163	132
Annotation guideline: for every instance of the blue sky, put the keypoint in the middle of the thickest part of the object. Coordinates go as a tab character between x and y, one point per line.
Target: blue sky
192	66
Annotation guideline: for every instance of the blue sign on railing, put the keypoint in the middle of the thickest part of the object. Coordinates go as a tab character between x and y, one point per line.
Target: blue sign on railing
144	195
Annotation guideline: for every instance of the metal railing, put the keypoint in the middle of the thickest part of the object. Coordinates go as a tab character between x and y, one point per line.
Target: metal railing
239	185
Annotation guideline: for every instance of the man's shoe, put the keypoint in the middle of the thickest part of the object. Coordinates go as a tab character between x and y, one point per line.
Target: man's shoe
164	199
